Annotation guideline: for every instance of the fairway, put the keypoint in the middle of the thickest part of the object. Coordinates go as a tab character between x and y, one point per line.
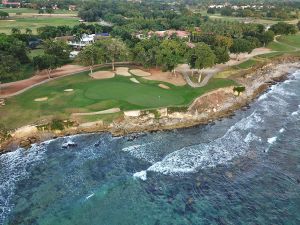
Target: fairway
95	95
34	23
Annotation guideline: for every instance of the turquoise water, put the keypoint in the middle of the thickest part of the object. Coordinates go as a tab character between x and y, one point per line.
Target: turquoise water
241	170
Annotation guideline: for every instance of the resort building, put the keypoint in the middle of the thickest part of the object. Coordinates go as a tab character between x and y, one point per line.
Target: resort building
8	3
84	40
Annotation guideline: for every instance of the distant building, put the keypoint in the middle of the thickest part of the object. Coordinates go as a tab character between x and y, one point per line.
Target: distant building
72	7
6	2
86	39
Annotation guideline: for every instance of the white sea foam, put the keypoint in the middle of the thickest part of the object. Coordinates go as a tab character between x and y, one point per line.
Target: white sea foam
272	140
13	169
295	113
141	175
281	130
142	151
89	196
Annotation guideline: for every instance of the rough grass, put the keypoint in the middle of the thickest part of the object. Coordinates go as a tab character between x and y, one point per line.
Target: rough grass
95	95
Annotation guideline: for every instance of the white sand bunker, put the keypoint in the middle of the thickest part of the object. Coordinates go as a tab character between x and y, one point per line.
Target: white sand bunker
68	90
134	80
123	71
140	73
102	75
41	99
164	86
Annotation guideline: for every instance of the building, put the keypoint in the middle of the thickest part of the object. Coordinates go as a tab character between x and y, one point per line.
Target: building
72	7
6	2
86	39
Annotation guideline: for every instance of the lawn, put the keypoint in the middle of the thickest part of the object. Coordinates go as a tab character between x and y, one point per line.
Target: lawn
27	10
247	64
281	47
94	95
292	40
34	22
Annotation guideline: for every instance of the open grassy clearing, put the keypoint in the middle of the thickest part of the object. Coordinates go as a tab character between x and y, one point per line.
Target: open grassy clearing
95	95
35	22
27	10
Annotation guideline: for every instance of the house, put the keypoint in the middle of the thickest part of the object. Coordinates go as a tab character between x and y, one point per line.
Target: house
86	39
72	7
6	2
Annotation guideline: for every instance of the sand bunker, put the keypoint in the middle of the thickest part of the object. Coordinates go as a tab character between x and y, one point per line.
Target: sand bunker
102	75
168	77
41	99
164	86
123	71
134	80
107	111
140	73
68	90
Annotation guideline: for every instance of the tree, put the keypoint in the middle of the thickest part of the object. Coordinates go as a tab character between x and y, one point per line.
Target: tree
170	54
145	52
9	68
267	37
224	41
59	49
113	50
3	15
28	31
46	61
211	10
15	30
222	55
201	57
241	45
91	55
49	10
283	28
298	25
226	11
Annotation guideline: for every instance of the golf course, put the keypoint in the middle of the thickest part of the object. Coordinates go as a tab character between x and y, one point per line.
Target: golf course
89	95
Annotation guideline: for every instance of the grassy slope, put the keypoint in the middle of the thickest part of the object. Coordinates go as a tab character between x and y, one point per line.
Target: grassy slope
95	95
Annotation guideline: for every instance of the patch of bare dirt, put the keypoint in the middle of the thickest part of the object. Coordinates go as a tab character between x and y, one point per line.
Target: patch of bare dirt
102	75
168	77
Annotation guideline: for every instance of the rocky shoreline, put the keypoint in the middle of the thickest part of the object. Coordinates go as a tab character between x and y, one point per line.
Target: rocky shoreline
205	109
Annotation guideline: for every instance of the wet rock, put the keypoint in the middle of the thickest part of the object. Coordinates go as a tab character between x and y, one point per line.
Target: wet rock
69	144
25	143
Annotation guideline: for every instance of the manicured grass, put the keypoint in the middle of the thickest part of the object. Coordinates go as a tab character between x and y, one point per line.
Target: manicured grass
292	40
27	10
94	95
247	64
35	22
281	47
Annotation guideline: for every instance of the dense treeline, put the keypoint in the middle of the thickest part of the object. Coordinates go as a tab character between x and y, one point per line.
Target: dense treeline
13	54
